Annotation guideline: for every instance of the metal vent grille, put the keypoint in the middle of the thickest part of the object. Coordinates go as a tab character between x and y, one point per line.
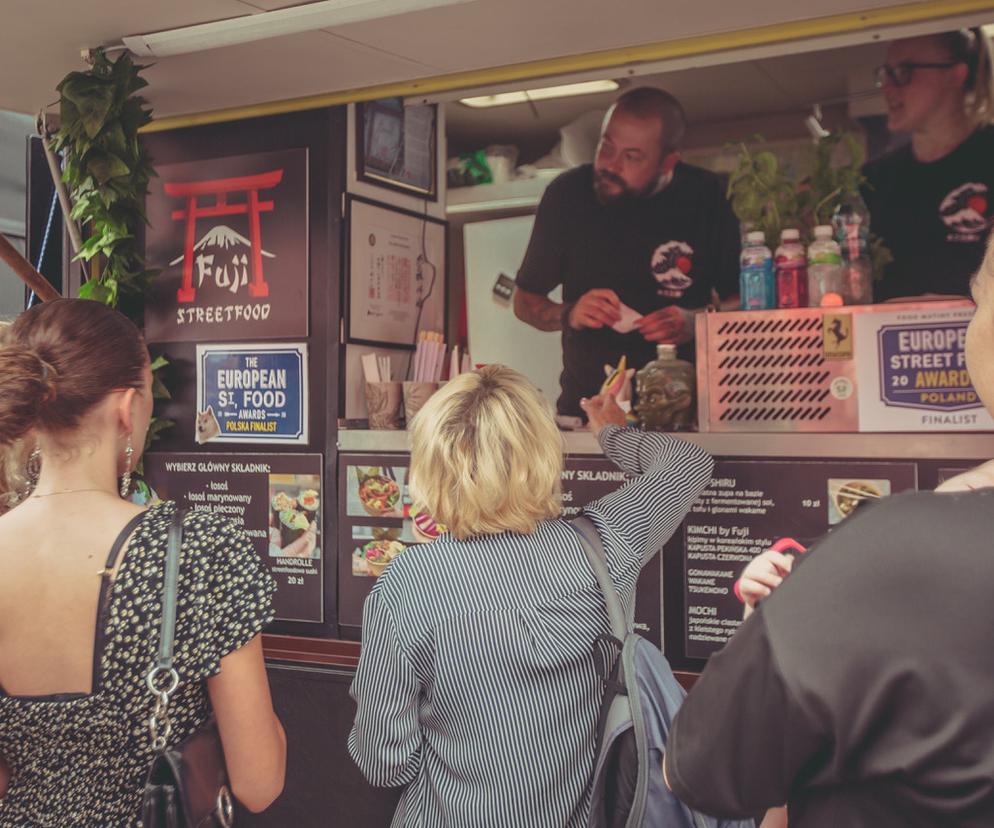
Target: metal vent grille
766	371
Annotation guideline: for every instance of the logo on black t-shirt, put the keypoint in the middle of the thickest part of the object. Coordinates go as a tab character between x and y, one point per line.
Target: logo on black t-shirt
964	212
671	266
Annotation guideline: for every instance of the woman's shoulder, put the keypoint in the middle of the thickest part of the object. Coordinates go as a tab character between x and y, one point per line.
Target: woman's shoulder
200	520
203	531
161	514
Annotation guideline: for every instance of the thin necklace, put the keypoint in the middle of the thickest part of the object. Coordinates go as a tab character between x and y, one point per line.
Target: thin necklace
69	491
100	572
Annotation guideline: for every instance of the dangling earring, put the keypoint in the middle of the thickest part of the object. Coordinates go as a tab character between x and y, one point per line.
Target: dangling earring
126	477
32	470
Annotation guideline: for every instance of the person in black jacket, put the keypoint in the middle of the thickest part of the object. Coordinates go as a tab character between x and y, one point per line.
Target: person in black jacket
861	691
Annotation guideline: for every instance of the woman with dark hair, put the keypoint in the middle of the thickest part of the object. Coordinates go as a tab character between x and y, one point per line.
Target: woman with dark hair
932	201
81	576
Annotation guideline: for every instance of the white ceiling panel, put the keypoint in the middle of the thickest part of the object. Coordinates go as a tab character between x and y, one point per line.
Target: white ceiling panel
264	71
501	32
40	41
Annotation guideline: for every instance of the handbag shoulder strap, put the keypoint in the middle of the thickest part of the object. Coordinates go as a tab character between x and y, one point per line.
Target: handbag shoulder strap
167	631
162	680
594	550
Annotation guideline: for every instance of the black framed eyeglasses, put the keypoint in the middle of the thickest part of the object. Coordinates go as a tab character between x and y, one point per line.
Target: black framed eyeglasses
901	74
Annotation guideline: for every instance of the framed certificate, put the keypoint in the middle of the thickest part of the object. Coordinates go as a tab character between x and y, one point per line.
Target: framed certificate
397	278
396	145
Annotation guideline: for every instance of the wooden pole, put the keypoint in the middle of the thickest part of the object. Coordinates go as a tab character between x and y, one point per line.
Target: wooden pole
60	188
22	267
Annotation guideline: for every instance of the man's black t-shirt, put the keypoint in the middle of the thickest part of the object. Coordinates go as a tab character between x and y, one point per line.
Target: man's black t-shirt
670	248
933	216
861	692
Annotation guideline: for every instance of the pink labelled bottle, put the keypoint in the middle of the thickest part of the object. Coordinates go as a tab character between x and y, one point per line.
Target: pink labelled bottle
791	263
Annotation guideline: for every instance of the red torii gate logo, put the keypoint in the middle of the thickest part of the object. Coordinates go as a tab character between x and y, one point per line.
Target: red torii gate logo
220	188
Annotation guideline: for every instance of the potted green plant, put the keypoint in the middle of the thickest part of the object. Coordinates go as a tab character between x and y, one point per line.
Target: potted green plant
765	195
762	192
106	172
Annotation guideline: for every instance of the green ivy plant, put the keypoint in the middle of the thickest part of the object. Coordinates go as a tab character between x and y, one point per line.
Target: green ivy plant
106	172
766	196
837	175
762	192
831	181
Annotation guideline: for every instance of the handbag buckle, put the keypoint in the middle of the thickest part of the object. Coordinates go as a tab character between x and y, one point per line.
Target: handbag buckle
152	681
225	808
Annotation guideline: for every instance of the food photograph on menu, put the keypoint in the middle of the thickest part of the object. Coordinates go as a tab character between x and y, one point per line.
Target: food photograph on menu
375	547
376	491
845	495
294	516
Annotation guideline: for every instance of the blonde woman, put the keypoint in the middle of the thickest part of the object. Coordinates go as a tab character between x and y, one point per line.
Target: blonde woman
477	687
932	201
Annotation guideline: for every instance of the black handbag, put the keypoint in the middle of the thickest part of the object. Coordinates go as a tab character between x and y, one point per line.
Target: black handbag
187	785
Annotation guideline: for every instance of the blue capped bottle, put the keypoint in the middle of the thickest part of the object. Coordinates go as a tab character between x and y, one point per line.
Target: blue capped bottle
757	286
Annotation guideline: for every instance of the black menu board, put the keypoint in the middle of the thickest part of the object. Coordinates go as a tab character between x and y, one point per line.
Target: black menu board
749	505
375	515
277	498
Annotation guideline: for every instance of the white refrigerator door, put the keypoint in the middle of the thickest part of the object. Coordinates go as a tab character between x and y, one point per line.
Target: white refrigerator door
495	333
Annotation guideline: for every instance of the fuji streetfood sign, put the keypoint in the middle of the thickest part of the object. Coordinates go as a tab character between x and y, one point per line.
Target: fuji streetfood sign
227	283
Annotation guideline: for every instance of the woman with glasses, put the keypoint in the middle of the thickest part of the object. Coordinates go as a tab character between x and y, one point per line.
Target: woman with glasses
932	201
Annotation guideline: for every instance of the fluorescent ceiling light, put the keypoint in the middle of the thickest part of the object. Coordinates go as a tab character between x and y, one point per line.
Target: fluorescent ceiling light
504	98
304	18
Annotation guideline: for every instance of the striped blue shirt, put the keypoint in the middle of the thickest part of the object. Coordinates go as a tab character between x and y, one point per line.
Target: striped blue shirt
477	687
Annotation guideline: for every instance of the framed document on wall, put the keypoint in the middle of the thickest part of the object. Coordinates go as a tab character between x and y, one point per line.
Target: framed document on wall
396	144
396	270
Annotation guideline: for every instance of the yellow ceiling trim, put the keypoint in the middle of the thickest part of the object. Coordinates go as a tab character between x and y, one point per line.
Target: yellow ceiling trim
916	12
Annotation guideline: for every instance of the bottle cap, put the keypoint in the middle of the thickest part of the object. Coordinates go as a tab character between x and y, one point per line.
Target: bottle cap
666	351
823	231
790	234
832	300
756	237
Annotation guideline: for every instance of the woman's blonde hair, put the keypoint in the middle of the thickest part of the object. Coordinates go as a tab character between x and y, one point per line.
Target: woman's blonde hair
486	455
972	48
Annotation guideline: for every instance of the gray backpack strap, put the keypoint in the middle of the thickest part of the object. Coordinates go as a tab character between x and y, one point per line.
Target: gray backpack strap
594	550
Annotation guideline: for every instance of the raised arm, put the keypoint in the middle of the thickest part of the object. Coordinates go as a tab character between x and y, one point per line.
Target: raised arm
668	476
252	736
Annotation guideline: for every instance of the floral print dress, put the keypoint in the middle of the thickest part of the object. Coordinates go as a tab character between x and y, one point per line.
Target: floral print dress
80	760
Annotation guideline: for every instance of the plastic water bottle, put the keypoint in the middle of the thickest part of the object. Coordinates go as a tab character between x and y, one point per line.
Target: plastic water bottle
826	287
851	223
757	289
791	263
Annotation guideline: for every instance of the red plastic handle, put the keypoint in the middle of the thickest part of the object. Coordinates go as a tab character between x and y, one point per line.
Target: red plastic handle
787	546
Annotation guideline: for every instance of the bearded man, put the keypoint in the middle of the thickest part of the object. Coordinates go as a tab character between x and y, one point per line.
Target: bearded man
639	241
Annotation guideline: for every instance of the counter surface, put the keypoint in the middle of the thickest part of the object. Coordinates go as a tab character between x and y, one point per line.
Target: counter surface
953	446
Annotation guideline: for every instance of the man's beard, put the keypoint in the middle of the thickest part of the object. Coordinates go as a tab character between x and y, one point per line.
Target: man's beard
626	195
